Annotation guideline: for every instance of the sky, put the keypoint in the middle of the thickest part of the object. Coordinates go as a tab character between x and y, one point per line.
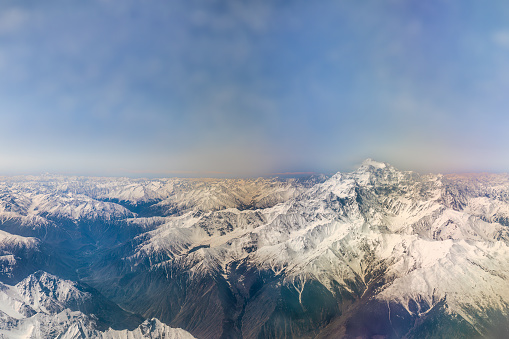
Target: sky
242	88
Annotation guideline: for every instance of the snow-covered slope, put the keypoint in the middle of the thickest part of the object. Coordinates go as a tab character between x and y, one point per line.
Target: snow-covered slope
45	306
48	206
377	251
76	325
17	254
49	294
151	328
398	231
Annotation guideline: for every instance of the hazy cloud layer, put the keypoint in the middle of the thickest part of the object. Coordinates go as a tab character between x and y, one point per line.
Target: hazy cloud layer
252	87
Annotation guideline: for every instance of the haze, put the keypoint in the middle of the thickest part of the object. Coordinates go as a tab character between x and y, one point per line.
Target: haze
226	88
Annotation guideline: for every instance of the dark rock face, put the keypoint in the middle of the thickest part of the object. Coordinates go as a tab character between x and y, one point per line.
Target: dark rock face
208	306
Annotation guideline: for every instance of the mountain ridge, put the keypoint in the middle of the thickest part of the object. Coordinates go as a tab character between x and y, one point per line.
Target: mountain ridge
409	253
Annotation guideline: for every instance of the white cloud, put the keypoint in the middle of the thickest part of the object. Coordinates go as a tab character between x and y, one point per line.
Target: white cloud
12	19
501	38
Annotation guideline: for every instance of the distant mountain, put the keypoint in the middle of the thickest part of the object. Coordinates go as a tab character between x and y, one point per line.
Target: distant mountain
375	253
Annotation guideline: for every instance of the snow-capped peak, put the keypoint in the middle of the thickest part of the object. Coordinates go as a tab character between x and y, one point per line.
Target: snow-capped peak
372	163
47	293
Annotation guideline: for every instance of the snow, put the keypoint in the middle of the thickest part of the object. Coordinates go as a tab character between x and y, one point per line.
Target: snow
431	249
22	332
10	301
38	291
152	328
376	164
10	240
436	236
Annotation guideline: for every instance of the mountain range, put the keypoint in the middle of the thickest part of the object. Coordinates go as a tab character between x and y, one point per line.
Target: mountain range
374	253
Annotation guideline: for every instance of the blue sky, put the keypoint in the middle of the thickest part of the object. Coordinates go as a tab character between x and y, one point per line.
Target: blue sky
231	87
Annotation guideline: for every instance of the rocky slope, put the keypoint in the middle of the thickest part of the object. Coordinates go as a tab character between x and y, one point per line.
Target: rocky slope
45	306
375	252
